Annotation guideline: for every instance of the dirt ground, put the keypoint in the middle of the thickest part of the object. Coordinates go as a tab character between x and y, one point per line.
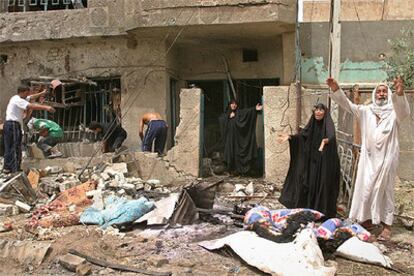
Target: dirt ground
176	249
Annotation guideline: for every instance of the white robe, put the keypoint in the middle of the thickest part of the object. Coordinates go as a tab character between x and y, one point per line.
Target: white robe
373	196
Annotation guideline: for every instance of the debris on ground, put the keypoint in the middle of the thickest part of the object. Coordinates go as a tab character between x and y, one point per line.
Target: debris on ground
301	257
112	219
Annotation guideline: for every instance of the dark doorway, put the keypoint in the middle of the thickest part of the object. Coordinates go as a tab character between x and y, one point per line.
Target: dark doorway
217	94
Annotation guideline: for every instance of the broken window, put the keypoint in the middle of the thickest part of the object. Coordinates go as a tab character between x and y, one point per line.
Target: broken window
78	103
41	5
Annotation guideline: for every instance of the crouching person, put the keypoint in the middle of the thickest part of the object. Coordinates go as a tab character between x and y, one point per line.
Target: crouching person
113	135
50	134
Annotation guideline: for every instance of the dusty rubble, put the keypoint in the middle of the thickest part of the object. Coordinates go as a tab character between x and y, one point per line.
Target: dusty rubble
41	226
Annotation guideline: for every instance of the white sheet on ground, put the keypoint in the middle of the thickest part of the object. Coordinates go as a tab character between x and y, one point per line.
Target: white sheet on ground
357	250
163	211
300	257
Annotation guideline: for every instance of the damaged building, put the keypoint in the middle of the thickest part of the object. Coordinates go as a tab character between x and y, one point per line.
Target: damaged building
183	212
186	59
150	51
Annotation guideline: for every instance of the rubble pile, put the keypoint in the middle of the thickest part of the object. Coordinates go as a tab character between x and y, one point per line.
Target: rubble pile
112	200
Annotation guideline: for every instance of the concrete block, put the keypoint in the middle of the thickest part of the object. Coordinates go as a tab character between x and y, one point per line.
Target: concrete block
116	168
53	170
35	152
23	206
19	187
6	209
83	269
71	262
153	182
67	184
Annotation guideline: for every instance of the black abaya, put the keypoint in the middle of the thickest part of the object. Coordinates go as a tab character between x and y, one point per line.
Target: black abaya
239	138
313	177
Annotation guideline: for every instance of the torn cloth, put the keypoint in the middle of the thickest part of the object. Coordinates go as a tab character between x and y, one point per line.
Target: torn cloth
117	211
277	221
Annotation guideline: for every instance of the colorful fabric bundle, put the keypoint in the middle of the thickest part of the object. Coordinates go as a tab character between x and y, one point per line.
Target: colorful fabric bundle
275	219
328	228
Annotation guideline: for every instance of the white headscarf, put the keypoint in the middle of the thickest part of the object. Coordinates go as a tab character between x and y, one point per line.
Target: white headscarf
382	111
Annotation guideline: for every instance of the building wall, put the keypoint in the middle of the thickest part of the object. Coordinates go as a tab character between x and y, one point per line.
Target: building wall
364	10
205	61
141	64
361	46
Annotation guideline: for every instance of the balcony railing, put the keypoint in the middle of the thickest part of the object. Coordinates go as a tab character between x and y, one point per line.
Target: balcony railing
40	5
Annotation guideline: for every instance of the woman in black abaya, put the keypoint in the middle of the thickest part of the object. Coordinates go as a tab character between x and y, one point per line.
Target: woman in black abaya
238	131
314	172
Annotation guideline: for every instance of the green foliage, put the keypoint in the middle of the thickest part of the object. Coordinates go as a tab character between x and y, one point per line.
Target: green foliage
401	62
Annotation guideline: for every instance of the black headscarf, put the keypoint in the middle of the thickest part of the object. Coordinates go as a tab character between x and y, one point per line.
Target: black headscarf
313	176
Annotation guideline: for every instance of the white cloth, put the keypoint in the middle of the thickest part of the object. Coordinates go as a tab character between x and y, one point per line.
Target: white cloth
373	196
15	109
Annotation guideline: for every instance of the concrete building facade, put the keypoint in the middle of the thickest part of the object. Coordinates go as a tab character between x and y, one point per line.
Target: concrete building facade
147	44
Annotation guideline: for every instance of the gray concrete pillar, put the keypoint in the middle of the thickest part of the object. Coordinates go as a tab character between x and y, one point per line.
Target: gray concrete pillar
185	155
279	109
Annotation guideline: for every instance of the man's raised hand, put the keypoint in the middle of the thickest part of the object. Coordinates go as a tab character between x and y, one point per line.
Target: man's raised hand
332	83
399	86
259	107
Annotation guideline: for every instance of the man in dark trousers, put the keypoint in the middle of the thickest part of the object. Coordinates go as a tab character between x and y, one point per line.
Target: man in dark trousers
12	129
156	132
113	134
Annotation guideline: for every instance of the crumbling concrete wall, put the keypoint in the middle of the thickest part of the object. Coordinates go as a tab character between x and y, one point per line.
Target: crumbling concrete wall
279	108
101	18
149	13
140	64
185	155
149	166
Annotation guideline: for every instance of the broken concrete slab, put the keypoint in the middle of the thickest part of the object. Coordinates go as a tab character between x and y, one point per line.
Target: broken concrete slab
19	188
53	170
83	269
6	209
5	227
23	206
35	152
71	262
116	168
24	252
149	166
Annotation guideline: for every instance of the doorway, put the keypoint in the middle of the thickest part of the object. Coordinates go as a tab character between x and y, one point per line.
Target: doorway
217	94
